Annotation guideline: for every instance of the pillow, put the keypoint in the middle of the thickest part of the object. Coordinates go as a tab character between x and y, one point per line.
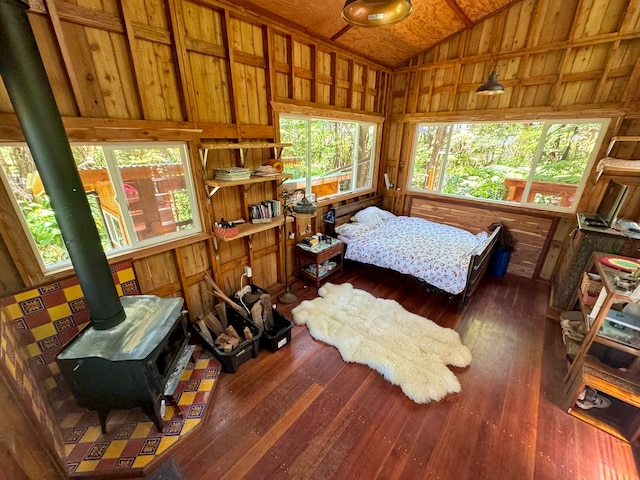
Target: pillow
482	239
353	230
372	216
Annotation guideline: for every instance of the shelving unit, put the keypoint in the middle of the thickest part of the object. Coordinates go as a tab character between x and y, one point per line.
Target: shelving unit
612	365
316	256
247	230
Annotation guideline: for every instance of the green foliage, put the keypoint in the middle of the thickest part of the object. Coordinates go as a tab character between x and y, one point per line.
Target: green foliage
329	148
44	229
477	160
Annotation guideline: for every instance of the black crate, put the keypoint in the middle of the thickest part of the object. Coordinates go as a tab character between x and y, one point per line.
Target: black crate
255	290
248	349
279	335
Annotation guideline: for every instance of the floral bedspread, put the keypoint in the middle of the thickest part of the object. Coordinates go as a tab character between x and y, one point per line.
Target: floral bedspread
438	254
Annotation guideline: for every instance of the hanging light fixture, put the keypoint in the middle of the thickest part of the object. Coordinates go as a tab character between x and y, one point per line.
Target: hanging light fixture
375	13
492	86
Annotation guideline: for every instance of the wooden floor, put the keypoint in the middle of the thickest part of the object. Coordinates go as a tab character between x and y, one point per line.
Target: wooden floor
304	413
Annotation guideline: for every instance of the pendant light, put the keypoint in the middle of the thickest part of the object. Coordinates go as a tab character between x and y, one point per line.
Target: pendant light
492	86
375	13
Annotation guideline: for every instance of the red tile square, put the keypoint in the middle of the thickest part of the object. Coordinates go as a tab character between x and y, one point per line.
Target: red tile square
54	299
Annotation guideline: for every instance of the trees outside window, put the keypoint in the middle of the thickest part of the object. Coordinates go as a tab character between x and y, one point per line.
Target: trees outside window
140	195
538	163
328	157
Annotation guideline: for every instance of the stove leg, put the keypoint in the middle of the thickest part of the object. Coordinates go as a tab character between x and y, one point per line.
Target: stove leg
103	413
154	414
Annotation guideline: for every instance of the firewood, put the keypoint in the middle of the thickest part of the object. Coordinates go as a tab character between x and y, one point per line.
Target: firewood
221	310
213	323
227	347
222	339
267	314
247	333
219	293
256	314
204	331
234	342
232	332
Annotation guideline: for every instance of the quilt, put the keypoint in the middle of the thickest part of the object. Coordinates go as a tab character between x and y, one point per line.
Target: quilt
436	253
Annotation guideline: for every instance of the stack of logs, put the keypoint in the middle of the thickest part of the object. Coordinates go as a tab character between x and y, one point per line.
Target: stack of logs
226	337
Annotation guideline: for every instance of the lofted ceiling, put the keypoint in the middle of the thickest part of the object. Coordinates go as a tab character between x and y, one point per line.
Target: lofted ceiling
430	22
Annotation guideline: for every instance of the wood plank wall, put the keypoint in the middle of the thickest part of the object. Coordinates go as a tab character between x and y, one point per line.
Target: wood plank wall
190	70
530	232
570	59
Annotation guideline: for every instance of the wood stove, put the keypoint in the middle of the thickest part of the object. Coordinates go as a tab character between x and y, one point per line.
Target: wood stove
134	349
134	364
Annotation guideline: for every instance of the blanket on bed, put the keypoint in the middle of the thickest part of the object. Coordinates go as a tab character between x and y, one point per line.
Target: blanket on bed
436	253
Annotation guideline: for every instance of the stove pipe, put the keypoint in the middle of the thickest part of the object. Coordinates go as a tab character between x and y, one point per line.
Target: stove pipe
33	101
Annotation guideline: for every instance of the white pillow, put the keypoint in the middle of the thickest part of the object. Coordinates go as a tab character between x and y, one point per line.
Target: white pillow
353	230
372	216
482	239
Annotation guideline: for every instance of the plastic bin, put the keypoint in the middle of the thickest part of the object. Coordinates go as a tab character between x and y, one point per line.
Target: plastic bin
277	337
280	335
230	361
499	261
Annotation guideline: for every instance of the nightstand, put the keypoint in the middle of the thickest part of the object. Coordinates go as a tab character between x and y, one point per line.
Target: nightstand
320	261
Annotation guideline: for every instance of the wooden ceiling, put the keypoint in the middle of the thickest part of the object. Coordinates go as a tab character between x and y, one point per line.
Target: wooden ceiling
430	22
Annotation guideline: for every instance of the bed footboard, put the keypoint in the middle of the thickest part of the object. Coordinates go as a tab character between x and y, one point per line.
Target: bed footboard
477	268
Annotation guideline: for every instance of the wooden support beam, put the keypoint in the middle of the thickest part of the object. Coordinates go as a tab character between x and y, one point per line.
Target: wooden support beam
188	97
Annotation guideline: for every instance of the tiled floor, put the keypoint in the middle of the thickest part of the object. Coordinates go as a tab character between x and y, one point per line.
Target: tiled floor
132	441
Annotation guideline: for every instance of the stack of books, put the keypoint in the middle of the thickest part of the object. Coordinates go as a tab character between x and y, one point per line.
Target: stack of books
233	173
265	211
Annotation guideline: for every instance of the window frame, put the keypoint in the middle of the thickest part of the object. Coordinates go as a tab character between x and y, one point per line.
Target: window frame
309	113
137	246
546	123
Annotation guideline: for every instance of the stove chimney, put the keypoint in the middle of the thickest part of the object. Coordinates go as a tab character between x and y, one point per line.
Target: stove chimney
33	101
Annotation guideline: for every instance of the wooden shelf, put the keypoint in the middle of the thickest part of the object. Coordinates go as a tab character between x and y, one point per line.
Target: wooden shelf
248	229
621	417
239	146
217	184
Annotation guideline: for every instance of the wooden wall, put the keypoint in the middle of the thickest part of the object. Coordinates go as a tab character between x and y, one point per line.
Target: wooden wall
192	70
570	59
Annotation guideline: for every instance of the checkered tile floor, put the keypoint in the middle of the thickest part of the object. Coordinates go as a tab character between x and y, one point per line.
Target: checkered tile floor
132	441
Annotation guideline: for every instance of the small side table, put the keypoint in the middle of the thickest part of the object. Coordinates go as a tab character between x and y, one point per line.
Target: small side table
309	260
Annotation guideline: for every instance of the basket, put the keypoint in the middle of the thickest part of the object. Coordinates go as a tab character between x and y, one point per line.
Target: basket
225	232
590	287
573	330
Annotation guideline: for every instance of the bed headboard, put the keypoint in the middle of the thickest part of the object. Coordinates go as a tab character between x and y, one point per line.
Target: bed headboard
343	213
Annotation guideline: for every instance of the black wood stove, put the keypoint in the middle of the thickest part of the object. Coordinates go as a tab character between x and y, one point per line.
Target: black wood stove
135	364
134	349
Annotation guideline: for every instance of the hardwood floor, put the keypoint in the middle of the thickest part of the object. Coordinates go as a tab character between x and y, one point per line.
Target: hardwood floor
304	413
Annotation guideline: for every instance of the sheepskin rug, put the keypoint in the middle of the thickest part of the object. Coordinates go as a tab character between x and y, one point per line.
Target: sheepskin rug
408	350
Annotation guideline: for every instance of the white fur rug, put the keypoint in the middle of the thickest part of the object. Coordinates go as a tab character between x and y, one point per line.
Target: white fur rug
408	350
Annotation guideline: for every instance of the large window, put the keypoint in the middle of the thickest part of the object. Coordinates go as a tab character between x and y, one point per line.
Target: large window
540	163
328	157
139	196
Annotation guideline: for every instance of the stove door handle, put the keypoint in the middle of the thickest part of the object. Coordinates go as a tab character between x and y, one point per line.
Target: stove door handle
78	365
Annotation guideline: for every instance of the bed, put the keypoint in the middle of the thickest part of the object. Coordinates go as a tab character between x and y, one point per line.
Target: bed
445	257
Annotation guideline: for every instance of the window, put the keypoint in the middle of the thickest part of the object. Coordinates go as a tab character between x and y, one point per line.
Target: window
328	157
138	195
539	163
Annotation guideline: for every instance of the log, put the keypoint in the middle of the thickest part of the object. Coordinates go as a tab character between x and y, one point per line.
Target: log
219	293
213	323
204	330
